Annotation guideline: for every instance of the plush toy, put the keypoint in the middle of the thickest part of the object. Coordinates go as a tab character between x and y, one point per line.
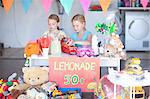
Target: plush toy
32	48
33	94
109	50
33	77
67	46
117	43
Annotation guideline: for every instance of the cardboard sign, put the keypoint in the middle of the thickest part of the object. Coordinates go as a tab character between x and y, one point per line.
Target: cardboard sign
74	72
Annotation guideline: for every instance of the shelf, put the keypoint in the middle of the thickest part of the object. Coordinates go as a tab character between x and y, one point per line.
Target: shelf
133	8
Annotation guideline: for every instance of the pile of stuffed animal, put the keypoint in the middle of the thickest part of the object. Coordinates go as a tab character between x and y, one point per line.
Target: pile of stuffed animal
35	85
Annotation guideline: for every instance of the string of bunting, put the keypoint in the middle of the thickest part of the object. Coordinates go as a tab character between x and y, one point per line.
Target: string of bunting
67	4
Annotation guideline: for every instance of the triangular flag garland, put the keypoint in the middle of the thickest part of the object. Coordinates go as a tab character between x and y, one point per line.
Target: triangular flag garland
104	4
144	3
7	4
46	5
67	4
85	5
26	4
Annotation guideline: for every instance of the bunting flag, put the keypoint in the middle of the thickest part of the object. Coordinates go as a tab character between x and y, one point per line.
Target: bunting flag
67	4
85	5
26	4
104	4
144	3
46	5
7	4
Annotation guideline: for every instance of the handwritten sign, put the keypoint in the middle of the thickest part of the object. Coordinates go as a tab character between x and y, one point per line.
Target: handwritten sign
74	72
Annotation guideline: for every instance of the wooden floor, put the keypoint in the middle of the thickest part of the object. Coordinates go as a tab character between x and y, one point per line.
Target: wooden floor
12	53
11	61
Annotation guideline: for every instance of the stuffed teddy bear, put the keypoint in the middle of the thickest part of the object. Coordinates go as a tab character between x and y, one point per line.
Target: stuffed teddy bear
109	50
117	43
33	77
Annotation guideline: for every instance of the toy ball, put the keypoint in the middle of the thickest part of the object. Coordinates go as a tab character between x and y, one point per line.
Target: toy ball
9	83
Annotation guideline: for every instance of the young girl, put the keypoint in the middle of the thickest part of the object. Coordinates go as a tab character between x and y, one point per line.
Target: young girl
81	37
53	26
55	34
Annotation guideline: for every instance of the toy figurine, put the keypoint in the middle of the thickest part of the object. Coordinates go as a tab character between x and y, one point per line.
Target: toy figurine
100	48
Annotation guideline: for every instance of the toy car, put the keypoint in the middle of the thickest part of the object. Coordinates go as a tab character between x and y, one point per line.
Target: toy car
85	51
67	47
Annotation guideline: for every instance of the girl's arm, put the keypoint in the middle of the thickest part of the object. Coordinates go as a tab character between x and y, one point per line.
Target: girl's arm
61	35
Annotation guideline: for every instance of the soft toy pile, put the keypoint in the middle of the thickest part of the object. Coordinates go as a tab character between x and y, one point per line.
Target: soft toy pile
112	48
6	87
34	78
36	86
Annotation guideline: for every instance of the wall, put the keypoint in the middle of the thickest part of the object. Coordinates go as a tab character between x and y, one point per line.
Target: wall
17	27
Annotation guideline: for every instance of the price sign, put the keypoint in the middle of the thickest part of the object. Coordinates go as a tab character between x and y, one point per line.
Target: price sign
74	72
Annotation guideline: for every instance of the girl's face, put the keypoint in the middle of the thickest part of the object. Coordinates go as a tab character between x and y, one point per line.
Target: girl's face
52	24
78	26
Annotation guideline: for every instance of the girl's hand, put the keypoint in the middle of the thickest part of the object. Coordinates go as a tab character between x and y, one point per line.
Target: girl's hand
69	42
61	37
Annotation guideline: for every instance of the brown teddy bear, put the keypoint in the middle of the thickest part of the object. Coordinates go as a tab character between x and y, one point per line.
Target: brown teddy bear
33	77
117	43
109	50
